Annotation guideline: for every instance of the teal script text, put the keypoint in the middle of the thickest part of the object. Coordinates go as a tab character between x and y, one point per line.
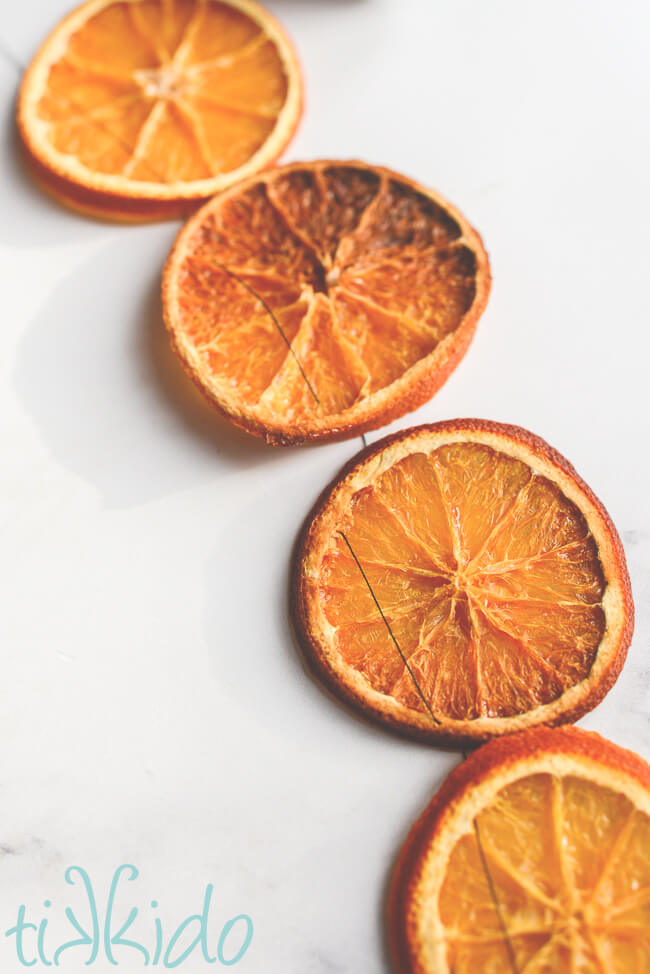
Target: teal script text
98	937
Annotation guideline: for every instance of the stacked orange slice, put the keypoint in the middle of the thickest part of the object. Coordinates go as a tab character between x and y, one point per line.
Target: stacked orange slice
139	109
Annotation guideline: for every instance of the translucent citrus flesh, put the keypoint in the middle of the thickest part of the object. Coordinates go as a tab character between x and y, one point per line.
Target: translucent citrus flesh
164	91
361	274
563	865
486	574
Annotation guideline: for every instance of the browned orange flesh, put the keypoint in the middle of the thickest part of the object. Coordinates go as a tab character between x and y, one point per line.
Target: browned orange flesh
569	866
301	296
486	574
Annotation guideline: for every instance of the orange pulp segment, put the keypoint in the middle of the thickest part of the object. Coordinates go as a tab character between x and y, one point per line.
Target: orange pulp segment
489	572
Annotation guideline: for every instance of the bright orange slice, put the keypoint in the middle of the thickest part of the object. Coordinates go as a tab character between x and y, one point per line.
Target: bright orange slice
459	581
139	109
533	858
323	299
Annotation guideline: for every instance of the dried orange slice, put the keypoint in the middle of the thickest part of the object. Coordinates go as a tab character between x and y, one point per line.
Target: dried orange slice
533	858
459	581
322	299
139	109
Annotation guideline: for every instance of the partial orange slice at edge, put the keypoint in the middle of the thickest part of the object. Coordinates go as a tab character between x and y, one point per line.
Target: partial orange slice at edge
533	857
140	109
460	581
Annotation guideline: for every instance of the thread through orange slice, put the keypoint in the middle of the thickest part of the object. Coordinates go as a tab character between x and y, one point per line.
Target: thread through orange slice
141	108
459	581
323	298
533	858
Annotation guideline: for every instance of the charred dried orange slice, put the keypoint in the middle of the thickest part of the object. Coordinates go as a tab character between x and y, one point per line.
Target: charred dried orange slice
459	581
534	858
322	299
139	109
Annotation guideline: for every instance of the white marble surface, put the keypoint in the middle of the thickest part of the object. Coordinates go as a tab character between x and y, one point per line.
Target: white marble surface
154	709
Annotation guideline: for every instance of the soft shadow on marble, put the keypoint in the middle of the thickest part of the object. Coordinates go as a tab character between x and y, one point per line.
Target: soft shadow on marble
96	375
